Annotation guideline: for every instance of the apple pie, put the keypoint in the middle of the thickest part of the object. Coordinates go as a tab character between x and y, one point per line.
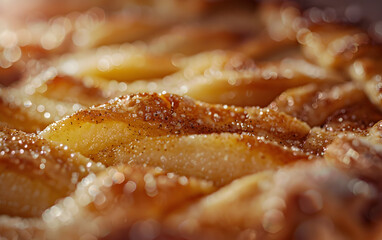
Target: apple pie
188	119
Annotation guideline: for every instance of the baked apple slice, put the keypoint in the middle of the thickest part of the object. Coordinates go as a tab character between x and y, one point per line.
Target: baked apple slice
157	130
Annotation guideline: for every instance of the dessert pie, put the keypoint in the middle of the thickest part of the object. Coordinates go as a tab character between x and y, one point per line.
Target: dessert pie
188	119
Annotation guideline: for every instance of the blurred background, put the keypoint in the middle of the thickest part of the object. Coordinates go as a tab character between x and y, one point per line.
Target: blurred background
367	12
19	11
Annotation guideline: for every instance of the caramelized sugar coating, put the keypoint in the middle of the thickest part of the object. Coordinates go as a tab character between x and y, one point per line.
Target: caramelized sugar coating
331	110
314	104
122	201
163	114
362	119
357	119
34	167
318	139
154	129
